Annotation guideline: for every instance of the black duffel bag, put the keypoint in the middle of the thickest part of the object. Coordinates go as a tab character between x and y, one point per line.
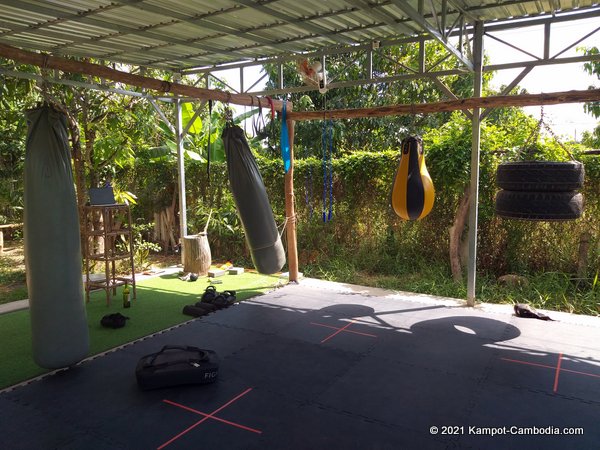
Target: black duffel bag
175	365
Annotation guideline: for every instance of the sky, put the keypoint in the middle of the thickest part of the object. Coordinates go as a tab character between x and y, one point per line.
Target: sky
567	121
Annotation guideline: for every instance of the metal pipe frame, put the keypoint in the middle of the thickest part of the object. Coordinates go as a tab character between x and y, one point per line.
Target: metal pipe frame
475	151
425	69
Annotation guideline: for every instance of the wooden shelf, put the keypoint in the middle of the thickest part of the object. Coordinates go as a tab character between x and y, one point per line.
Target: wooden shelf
103	257
100	224
120	232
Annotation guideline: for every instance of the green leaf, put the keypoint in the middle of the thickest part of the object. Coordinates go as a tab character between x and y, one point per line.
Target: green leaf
239	119
158	153
165	128
194	155
217	151
125	197
171	145
187	113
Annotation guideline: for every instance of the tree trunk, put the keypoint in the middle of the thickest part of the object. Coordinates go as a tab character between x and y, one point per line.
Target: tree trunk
582	260
196	251
164	223
456	232
79	168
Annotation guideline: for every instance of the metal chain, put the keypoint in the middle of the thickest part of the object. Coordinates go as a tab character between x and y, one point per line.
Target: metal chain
535	133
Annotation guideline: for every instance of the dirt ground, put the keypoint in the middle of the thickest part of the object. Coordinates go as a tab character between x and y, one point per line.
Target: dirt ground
12	272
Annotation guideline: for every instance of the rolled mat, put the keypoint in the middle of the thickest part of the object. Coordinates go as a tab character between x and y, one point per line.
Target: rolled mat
52	244
252	203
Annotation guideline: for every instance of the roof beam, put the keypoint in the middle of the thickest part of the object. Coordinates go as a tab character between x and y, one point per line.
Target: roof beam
285	42
500	101
46	61
419	19
81	84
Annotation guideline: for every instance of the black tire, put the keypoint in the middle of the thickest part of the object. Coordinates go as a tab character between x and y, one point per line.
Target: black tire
540	176
543	206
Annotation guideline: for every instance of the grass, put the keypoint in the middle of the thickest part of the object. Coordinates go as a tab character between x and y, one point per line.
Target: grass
548	290
158	306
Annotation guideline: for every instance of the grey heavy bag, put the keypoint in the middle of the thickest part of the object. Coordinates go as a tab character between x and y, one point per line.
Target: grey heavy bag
52	244
252	203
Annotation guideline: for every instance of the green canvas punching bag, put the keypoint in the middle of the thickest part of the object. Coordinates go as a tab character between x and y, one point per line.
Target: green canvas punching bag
52	244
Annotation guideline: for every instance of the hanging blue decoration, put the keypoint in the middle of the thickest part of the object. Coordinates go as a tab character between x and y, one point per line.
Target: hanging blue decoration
308	186
285	140
327	143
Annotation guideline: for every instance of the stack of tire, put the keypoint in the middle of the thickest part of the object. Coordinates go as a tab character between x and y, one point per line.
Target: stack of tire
540	190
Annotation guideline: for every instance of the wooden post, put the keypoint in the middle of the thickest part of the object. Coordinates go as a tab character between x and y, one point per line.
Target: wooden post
290	212
582	259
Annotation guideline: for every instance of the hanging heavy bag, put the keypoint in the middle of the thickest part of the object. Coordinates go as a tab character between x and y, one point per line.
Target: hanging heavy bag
412	192
252	203
59	328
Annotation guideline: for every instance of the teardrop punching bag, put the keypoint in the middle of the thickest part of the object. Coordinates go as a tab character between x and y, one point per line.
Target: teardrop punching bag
52	244
252	203
412	192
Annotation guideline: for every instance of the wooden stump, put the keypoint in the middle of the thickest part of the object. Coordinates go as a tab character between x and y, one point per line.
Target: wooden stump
196	254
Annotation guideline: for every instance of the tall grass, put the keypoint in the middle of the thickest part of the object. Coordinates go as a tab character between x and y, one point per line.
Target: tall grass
545	290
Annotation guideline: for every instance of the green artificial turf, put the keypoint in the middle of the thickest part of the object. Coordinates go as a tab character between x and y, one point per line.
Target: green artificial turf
157	307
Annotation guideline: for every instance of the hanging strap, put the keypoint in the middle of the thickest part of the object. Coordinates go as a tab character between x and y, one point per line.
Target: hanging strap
270	131
285	140
270	100
330	216
324	164
209	136
259	125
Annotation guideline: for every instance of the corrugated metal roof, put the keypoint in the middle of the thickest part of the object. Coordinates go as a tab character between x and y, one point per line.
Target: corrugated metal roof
180	34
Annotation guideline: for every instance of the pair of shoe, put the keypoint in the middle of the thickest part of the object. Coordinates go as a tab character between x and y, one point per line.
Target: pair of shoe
221	300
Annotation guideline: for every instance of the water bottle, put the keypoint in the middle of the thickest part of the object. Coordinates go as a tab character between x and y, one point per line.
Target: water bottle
126	301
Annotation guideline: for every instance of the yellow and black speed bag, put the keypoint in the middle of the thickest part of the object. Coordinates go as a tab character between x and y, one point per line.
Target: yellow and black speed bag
412	192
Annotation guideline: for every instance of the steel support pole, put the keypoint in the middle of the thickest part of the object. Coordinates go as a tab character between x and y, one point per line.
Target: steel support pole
475	150
181	175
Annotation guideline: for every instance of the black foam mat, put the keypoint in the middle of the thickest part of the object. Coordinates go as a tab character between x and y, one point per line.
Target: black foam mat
316	371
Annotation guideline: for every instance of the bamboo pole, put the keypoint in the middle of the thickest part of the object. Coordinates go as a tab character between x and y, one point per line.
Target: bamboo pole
551	98
290	212
46	61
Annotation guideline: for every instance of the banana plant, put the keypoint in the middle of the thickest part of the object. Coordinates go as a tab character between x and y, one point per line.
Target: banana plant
196	140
